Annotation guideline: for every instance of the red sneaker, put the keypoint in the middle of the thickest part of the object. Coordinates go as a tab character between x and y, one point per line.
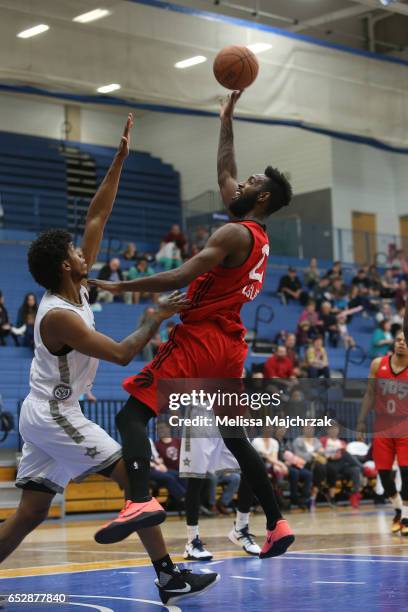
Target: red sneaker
355	500
132	517
278	540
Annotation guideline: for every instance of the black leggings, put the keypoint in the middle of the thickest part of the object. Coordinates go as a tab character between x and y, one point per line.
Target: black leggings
254	470
132	422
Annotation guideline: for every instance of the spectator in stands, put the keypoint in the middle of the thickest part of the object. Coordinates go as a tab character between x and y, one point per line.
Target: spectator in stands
347	339
381	340
317	360
130	253
290	287
361	279
298	473
329	327
291	352
176	236
385	313
151	347
310	448
389	284
168	447
401	294
169	256
163	477
400	262
140	270
338	295
336	271
360	296
311	274
109	272
374	277
397	321
230	484
268	448
5	326
201	236
279	365
340	464
309	314
26	318
321	291
304	334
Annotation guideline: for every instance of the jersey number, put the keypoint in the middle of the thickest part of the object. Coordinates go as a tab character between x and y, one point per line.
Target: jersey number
254	274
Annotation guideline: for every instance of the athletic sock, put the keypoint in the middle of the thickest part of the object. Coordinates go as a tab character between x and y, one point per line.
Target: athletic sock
164	569
404	512
242	520
192	532
396	502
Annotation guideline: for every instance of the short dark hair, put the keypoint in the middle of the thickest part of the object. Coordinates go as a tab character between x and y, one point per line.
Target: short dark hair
46	255
279	187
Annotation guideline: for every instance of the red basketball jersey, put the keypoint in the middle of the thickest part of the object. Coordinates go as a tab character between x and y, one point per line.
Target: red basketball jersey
391	398
220	293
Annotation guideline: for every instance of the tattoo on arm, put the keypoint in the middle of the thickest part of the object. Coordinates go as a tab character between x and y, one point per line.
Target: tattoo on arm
226	155
134	343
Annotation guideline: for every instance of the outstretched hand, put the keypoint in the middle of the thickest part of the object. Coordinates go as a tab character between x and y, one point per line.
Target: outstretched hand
114	288
228	105
124	145
168	305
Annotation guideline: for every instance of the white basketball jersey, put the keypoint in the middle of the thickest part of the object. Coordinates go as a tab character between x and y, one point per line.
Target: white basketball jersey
67	376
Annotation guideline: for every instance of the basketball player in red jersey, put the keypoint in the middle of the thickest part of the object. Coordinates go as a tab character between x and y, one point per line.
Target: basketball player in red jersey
388	396
228	272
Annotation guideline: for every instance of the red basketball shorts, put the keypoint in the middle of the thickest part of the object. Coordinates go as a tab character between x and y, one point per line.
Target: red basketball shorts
199	350
386	450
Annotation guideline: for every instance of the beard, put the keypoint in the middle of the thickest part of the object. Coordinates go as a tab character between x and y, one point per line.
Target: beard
243	205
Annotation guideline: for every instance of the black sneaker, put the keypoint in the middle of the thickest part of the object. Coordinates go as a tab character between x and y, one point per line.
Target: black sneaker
396	522
183	583
404	527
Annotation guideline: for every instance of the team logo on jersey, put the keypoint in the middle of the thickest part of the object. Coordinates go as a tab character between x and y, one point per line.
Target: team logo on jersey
62	391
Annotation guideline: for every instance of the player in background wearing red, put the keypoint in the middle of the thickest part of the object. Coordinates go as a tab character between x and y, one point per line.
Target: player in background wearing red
228	272
387	395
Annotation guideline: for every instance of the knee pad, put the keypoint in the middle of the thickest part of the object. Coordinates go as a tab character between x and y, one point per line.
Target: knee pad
388	482
404	482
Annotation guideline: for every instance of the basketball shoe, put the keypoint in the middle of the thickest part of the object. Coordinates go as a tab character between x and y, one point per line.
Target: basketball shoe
404	527
396	521
244	539
277	540
182	583
195	551
134	516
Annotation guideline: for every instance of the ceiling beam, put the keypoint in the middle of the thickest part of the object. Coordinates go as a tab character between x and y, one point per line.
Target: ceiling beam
396	7
327	18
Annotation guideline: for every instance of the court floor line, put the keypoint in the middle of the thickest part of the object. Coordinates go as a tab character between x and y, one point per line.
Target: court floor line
76	550
317	550
333	558
154	603
247	578
335	582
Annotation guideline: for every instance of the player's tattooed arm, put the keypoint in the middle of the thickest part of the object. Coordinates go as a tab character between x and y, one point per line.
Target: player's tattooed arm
226	164
224	242
369	398
62	328
101	205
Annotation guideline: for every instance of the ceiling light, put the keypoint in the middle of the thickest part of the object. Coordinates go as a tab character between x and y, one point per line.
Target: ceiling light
38	29
92	15
259	47
191	61
108	88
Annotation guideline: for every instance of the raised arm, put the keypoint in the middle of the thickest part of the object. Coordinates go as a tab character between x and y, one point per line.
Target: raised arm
70	330
226	240
226	164
101	205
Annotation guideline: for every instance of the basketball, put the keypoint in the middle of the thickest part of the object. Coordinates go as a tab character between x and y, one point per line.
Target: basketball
236	67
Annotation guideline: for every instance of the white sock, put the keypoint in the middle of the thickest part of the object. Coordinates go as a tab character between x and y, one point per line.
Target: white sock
242	520
396	502
192	532
404	512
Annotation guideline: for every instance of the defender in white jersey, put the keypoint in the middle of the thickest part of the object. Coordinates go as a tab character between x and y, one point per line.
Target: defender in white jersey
60	444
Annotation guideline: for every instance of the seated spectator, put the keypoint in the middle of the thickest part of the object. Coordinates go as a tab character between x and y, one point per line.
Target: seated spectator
176	236
385	313
309	314
329	327
311	275
168	447
149	351
361	279
130	253
381	340
279	365
298	473
230	483
397	321
338	295
310	449
340	464
321	291
317	360
5	326
268	448
347	339
291	352
374	277
140	270
26	318
169	256
400	262
360	296
163	477
401	294
109	272
335	271
304	334
290	287
389	284
201	236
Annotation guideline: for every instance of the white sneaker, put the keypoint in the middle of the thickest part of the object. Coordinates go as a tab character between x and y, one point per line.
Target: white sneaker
245	540
195	551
